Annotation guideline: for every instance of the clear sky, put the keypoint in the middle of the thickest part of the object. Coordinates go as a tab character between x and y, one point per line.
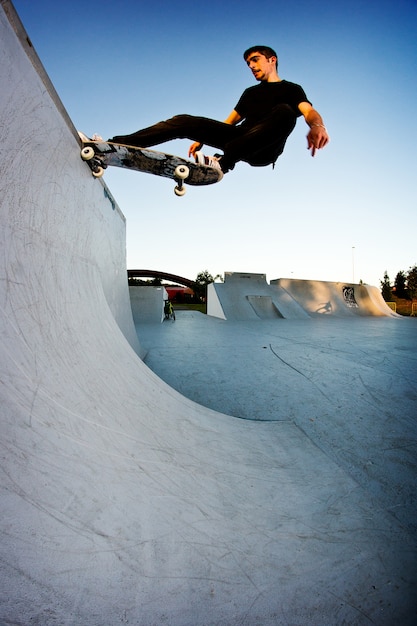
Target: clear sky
351	212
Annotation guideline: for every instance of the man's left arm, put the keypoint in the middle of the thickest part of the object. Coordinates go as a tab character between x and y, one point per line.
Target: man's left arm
317	137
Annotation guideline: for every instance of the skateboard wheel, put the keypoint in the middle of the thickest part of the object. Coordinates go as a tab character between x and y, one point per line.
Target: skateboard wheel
181	172
98	171
179	191
87	153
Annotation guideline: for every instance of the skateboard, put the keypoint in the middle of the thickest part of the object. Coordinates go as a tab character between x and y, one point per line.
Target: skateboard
100	154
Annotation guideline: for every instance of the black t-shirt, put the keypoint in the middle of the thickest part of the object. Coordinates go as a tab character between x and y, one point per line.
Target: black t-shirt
256	102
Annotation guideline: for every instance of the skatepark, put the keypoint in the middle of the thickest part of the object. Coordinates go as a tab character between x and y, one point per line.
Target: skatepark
253	466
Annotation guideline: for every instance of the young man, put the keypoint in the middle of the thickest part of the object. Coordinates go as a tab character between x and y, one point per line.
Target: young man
257	128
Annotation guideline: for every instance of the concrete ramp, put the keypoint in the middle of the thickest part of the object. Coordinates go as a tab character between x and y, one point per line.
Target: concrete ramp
121	501
264	307
247	296
147	304
337	299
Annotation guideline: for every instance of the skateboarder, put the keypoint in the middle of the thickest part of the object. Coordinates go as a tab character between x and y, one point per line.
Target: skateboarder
257	128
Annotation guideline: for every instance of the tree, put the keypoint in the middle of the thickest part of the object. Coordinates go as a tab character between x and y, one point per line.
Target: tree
412	282
204	278
400	285
386	288
200	285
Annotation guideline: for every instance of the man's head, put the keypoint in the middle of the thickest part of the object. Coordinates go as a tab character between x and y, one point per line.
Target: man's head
265	51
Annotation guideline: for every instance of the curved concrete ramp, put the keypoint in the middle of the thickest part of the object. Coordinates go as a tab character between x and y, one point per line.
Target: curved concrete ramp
121	501
336	299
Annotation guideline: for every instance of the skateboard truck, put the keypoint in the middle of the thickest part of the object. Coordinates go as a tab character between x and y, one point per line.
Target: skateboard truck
96	165
180	174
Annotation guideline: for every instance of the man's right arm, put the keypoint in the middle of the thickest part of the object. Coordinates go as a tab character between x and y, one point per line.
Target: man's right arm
233	118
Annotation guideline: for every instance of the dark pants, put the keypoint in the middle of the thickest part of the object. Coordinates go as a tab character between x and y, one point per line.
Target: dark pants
256	144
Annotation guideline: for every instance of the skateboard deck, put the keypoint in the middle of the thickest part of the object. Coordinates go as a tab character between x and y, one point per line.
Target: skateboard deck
100	154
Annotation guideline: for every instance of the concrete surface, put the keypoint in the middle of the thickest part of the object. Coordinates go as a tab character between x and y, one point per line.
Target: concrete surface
350	385
122	501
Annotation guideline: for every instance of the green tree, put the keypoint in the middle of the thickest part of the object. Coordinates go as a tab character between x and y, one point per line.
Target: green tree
412	282
204	278
200	284
386	288
400	285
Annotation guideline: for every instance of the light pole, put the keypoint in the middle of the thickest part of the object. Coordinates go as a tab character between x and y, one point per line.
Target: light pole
353	264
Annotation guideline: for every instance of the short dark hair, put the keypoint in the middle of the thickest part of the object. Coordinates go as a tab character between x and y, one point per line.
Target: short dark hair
266	51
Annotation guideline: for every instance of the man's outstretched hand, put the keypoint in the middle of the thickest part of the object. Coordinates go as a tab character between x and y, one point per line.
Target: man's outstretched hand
317	138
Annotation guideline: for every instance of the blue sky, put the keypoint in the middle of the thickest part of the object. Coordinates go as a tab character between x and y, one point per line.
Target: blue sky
349	213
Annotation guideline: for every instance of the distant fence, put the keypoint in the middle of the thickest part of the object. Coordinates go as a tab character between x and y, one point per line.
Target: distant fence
404	307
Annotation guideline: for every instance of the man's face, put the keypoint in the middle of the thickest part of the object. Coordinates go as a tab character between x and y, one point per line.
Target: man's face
261	67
